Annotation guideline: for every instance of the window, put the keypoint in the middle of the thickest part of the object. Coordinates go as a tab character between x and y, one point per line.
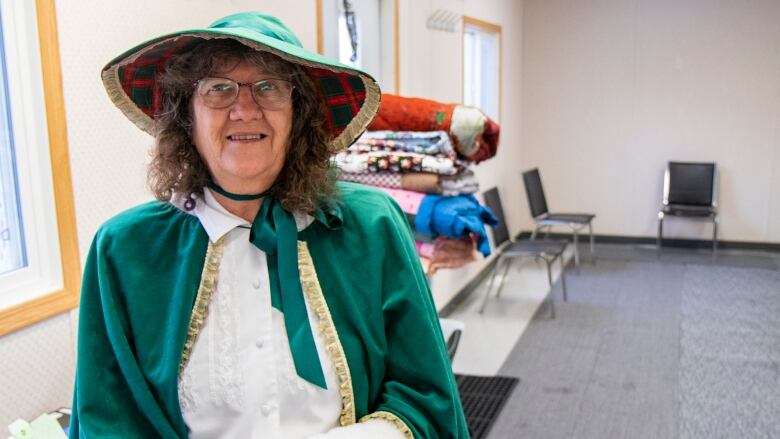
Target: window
346	54
375	35
482	66
39	262
12	248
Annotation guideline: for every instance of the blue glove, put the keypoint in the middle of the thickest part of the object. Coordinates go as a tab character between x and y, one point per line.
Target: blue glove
455	217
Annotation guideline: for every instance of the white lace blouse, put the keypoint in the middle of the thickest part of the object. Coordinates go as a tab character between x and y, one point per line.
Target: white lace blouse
240	380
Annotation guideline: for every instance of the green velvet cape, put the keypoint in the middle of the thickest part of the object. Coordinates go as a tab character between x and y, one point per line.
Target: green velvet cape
140	283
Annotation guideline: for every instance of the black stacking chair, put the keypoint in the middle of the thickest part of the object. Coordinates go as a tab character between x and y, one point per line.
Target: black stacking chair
545	220
452	330
547	250
690	191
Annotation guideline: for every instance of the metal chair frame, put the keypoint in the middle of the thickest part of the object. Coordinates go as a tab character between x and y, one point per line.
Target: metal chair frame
544	224
452	330
505	259
544	250
711	215
544	220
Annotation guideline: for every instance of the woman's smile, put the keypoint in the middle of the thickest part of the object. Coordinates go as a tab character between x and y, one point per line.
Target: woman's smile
246	137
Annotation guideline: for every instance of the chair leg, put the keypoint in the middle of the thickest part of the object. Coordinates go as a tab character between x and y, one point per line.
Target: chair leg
549	282
576	249
563	277
714	236
490	284
660	235
533	234
549	273
503	277
592	244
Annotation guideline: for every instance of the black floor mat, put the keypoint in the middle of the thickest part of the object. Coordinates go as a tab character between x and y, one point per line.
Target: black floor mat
483	397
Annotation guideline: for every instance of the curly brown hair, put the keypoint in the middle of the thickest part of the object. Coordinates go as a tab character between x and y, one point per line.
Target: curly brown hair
177	168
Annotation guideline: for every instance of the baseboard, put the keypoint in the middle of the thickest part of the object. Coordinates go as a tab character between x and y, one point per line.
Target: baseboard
667	242
461	295
464	292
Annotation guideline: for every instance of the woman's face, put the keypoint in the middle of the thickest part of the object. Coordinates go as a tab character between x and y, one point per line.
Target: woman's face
243	145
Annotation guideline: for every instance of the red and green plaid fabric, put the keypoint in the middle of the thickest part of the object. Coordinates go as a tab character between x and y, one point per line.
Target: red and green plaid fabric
139	78
343	93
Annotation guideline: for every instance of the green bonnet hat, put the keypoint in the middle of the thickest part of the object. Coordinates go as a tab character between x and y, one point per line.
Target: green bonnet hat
350	95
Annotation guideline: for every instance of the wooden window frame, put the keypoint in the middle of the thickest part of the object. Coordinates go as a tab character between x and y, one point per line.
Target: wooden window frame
67	297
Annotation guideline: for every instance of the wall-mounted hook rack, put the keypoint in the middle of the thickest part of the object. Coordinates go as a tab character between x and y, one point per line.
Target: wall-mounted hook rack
443	20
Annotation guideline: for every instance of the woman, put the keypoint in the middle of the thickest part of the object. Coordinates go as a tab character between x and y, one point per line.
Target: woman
256	298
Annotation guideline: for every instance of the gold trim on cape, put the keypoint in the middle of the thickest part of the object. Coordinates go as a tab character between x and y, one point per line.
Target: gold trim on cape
393	419
208	283
317	303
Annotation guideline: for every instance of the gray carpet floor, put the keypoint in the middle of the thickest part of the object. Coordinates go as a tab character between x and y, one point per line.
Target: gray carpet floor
676	346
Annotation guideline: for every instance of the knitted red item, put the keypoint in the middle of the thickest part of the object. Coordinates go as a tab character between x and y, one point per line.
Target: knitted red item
397	113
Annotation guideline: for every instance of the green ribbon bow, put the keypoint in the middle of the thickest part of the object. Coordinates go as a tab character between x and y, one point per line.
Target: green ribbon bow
274	232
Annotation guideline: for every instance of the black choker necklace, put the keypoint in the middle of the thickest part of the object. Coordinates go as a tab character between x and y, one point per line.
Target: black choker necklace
237	197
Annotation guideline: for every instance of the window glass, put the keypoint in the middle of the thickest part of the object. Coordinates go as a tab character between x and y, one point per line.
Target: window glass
12	248
481	69
347	55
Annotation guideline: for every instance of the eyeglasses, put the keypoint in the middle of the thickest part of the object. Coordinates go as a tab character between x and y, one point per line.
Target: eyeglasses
270	94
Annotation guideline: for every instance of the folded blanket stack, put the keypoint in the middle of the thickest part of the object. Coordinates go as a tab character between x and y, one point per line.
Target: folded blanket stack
420	152
421	145
422	161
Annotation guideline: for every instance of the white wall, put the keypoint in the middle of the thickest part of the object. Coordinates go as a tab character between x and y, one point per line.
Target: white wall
614	89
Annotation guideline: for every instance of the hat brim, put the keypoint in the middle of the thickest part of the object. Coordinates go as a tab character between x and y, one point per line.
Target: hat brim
351	96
